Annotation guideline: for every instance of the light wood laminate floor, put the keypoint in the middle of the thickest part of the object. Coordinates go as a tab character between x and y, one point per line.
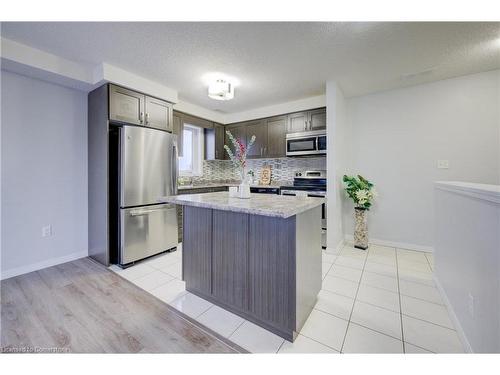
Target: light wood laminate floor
83	307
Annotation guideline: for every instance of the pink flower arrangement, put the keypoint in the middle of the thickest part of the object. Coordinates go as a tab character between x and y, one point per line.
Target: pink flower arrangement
239	157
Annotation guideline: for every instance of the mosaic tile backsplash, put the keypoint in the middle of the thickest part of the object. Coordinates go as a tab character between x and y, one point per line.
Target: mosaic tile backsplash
282	169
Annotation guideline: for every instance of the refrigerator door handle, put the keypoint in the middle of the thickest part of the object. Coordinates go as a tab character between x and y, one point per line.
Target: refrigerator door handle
174	168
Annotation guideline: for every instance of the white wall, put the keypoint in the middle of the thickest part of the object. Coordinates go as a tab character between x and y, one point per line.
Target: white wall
467	260
397	138
44	173
338	161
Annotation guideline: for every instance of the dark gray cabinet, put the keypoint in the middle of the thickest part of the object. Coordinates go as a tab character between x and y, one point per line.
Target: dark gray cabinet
219	141
307	120
269	134
158	114
177	129
317	119
214	142
133	107
276	133
126	105
259	129
297	122
239	131
265	269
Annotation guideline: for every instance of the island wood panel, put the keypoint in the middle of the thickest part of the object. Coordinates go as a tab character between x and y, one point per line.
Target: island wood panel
272	270
230	258
308	261
197	249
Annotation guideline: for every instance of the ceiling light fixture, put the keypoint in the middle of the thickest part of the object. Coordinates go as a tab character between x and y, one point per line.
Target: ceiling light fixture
221	89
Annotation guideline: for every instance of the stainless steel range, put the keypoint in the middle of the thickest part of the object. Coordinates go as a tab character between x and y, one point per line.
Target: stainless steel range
313	184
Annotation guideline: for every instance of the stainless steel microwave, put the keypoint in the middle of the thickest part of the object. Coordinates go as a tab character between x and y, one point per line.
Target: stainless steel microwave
306	143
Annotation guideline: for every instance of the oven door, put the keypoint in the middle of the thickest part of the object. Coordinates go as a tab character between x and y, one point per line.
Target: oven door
301	146
323	218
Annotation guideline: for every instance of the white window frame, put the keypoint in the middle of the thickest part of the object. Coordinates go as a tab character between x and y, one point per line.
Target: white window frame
198	151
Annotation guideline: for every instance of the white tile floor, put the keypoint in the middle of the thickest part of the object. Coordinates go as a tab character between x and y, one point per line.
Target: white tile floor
382	300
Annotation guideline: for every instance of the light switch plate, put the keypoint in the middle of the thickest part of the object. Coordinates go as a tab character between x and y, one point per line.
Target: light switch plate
443	164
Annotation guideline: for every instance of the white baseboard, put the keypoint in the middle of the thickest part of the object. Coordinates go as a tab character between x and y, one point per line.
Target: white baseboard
336	249
40	265
453	316
399	245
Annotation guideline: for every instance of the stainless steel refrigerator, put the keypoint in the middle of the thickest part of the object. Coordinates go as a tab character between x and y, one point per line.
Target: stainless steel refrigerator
147	171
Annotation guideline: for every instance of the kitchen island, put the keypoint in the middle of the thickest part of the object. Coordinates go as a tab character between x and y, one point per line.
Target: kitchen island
259	258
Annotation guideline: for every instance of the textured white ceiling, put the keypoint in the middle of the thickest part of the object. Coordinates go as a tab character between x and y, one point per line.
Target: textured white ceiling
274	62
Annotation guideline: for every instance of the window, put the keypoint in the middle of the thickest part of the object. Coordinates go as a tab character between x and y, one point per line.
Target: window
190	163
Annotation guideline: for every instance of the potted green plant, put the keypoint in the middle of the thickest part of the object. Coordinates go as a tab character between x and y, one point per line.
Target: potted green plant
362	192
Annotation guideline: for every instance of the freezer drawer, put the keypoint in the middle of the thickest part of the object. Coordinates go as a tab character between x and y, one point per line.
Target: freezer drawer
147	231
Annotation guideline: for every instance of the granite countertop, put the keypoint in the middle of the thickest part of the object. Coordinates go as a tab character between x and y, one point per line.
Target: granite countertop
273	184
258	204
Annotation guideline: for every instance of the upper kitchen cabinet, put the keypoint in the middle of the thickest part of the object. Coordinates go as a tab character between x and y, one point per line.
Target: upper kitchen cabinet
177	129
308	120
239	131
136	108
259	129
219	141
126	105
214	142
317	119
276	133
158	114
297	122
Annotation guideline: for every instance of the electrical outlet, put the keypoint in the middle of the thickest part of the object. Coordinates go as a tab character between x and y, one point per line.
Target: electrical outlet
443	164
471	305
47	231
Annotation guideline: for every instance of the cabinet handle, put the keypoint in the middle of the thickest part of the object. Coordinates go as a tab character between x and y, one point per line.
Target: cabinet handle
141	117
147	118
